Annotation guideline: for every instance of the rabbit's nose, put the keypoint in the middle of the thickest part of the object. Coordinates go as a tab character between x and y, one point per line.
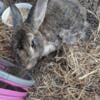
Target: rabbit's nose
29	66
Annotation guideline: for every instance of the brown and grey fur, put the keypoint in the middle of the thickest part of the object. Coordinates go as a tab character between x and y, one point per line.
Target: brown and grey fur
48	21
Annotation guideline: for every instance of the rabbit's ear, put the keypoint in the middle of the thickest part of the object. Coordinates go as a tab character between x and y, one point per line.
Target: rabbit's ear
37	14
16	16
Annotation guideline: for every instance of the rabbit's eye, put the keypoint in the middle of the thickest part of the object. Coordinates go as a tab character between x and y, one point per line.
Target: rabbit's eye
33	44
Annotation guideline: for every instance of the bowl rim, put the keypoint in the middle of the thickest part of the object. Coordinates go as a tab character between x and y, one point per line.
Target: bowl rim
7	10
14	80
8	92
11	98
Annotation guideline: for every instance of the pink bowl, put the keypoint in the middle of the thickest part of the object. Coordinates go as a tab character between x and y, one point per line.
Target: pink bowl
12	93
14	84
12	87
9	92
12	79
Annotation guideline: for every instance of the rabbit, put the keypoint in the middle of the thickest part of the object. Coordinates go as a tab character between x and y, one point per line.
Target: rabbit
49	23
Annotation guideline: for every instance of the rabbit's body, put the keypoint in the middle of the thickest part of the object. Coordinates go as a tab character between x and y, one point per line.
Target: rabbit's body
50	22
62	15
65	19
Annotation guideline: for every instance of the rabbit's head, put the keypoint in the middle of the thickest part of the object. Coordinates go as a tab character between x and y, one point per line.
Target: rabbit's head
27	40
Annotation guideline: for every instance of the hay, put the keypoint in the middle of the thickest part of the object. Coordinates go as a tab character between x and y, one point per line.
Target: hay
5	39
71	73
